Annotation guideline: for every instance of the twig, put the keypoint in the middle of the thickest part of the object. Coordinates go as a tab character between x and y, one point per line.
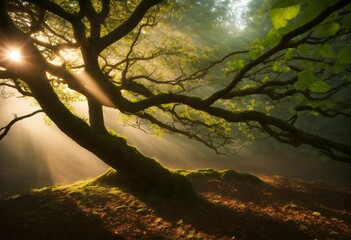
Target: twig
7	128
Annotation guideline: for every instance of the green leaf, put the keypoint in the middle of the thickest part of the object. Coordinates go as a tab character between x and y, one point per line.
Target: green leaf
339	67
255	53
280	66
305	79
275	67
326	51
303	49
281	16
333	28
236	63
326	30
319	86
289	53
299	86
272	38
344	56
257	48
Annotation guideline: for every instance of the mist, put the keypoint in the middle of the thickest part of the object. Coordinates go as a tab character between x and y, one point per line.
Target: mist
35	154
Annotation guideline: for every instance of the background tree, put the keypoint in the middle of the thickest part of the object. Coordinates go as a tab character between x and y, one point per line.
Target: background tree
127	55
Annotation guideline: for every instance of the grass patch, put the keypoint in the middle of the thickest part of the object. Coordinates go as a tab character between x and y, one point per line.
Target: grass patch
200	173
232	205
225	175
231	174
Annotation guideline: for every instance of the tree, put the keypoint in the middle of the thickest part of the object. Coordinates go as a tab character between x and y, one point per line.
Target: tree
125	55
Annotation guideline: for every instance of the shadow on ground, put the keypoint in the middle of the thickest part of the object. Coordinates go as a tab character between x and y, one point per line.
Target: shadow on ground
229	208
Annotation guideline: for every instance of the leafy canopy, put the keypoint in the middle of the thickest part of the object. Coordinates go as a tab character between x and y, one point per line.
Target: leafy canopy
155	63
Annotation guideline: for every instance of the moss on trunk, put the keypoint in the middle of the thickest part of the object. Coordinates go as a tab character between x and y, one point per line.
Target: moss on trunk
140	170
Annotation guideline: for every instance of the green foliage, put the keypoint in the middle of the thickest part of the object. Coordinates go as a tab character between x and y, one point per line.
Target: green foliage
305	79
339	67
311	9
344	55
320	87
326	51
279	66
256	48
308	80
304	49
333	28
280	16
178	49
327	29
287	15
235	63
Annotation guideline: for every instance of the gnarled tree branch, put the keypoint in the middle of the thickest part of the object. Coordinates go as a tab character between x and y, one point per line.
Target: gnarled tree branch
6	129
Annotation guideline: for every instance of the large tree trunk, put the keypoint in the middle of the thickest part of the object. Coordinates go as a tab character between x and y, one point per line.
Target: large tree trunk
113	150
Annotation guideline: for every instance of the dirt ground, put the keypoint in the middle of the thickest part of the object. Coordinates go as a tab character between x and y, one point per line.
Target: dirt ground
229	208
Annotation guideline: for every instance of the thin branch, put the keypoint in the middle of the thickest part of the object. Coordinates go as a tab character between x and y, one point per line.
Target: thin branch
324	112
7	128
127	26
55	9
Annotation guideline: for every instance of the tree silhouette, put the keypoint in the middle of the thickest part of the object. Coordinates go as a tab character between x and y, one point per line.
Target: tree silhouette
127	55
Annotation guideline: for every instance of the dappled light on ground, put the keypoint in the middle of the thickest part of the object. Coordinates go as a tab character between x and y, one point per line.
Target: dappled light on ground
232	206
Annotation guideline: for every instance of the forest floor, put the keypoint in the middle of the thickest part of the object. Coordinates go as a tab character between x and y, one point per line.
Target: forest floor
232	206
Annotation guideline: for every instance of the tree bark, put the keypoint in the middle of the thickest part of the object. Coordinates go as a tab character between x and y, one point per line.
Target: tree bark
96	116
113	150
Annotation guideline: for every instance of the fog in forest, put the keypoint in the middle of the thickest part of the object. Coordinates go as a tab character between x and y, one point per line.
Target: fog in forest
35	154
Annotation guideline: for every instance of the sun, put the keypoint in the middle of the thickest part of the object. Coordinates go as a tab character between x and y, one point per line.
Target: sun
14	55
